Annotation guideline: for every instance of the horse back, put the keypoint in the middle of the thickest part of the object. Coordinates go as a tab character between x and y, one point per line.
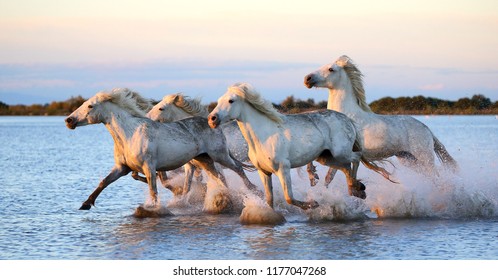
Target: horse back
208	139
321	130
328	122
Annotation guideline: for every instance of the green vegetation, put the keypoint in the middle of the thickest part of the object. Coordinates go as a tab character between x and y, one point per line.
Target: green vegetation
417	105
53	109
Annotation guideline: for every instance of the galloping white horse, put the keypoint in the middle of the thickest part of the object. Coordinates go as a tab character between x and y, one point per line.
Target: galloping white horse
177	107
146	146
381	136
279	142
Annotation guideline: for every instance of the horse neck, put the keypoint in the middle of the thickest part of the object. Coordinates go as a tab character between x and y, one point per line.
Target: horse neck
180	114
343	100
255	126
121	124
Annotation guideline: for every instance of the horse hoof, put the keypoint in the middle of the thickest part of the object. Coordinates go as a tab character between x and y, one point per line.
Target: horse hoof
313	204
360	194
85	207
313	182
309	205
358	190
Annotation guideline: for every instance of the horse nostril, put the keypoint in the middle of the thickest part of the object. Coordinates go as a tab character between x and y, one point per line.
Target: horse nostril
213	118
308	78
69	120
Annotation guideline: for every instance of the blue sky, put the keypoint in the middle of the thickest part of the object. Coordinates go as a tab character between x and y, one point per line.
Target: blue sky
52	50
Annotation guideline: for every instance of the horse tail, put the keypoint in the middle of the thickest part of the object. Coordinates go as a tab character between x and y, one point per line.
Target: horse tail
248	167
373	166
444	156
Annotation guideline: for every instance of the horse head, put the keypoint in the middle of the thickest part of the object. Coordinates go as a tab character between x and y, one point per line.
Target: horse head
228	108
94	110
329	75
88	113
166	111
176	107
231	105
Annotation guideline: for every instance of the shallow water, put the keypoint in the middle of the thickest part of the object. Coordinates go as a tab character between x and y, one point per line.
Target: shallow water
49	170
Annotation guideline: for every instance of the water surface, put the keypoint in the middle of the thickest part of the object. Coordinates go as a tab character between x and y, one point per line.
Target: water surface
49	170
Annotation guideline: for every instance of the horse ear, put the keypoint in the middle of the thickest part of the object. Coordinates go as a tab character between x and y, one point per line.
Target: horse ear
247	88
178	98
343	61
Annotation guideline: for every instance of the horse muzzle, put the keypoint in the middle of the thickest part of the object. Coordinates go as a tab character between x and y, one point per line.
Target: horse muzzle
213	120
70	122
309	81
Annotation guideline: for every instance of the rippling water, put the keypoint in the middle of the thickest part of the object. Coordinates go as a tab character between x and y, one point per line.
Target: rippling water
48	170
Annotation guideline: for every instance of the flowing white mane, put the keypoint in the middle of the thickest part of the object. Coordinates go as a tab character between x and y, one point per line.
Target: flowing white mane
187	104
128	100
251	96
356	78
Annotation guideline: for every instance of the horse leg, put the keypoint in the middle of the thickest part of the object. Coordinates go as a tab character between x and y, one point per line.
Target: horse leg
189	173
267	183
312	174
137	177
348	162
226	160
163	177
116	173
355	187
206	163
150	174
218	201
198	174
330	176
283	174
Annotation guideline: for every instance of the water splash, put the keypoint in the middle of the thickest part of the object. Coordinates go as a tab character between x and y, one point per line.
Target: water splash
472	193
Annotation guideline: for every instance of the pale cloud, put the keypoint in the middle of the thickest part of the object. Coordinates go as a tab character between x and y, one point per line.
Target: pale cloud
10	85
432	87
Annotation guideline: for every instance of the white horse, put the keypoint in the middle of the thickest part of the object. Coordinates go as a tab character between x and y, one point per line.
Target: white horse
146	146
175	107
381	136
279	142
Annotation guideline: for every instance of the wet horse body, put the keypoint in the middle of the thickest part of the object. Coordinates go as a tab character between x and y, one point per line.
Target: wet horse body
278	142
145	146
381	136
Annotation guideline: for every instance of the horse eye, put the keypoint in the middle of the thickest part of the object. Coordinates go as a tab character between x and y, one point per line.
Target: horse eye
230	101
90	106
331	69
161	109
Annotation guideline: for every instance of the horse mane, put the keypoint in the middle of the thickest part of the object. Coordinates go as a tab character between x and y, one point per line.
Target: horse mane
251	96
356	78
187	104
129	100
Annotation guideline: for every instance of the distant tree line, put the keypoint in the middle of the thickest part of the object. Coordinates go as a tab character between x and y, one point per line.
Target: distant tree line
417	105
56	108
